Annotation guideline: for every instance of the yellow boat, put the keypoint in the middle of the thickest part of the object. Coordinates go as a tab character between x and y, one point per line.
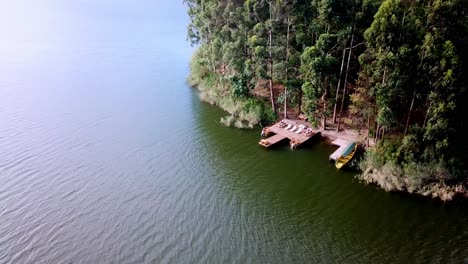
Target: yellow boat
347	155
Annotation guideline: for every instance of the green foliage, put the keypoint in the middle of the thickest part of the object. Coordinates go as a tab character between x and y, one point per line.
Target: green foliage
239	86
413	69
405	79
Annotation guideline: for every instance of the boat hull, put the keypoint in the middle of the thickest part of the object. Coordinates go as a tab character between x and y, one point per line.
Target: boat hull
343	160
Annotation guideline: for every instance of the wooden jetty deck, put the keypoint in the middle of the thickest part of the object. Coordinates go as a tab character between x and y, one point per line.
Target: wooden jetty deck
342	146
281	133
271	140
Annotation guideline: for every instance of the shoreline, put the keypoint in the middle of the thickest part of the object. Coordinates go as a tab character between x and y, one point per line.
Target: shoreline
330	134
383	180
378	176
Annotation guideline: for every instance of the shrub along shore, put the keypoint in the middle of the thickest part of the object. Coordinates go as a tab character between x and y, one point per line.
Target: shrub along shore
391	68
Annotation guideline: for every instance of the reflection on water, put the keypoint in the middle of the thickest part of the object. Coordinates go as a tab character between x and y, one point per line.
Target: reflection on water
106	156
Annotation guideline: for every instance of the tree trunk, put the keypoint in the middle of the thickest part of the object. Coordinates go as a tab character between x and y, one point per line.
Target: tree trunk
409	112
324	99
368	129
300	100
270	80
270	61
427	114
377	131
376	138
272	98
346	79
429	105
285	103
211	61
339	84
324	116
287	57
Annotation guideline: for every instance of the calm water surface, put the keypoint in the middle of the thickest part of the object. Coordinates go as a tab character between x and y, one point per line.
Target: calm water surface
106	156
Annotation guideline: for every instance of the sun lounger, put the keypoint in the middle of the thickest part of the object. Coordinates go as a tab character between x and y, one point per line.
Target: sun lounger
308	132
293	129
288	127
299	130
281	124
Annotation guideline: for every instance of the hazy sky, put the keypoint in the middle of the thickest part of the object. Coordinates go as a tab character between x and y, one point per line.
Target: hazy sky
28	26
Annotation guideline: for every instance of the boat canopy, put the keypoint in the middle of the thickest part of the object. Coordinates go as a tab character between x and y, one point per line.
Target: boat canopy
348	149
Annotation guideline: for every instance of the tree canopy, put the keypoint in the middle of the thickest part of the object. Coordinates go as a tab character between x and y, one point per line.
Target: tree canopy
395	67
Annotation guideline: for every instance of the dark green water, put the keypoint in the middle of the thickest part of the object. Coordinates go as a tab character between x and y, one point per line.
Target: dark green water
106	156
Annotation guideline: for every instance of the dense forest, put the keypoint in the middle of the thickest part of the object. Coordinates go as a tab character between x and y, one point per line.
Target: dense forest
392	68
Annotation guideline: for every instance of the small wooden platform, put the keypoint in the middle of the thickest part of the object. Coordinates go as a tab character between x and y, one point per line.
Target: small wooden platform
281	133
342	146
271	140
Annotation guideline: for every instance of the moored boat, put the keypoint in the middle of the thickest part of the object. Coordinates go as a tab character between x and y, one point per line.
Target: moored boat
346	156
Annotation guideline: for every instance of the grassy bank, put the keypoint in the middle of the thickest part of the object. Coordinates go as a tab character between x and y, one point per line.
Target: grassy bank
380	166
219	89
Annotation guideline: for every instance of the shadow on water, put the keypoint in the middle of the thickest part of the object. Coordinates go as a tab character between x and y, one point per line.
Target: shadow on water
294	204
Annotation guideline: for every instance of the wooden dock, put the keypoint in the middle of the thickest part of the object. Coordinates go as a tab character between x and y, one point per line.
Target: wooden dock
281	133
271	140
342	146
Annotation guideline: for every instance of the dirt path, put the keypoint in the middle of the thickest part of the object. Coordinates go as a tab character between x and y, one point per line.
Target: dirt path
345	134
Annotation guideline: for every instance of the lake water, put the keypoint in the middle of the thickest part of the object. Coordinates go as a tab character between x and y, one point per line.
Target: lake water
107	156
